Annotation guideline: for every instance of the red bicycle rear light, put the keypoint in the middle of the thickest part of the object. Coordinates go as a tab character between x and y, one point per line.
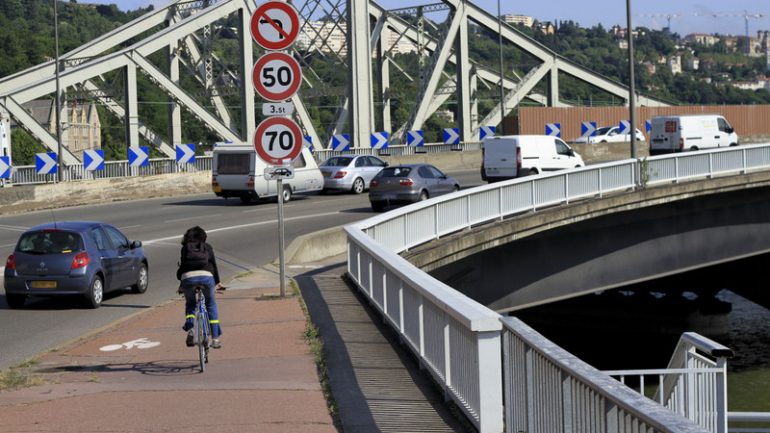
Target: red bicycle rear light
11	262
80	260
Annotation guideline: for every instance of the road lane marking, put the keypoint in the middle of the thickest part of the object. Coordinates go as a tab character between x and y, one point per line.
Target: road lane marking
191	218
8	245
240	226
130	227
13	228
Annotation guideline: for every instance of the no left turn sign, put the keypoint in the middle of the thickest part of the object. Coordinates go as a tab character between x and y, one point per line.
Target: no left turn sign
276	76
278	139
275	25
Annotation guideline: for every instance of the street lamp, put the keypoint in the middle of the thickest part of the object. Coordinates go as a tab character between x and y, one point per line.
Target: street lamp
58	93
632	86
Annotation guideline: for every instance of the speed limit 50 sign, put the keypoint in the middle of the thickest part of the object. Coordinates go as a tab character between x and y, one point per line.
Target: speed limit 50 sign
278	139
277	76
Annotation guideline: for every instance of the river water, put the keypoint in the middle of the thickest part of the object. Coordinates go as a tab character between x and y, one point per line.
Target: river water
626	329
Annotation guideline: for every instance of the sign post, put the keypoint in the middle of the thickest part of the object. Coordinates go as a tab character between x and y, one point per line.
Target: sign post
277	77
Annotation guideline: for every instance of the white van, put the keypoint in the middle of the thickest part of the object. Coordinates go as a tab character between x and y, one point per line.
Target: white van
680	133
237	171
512	156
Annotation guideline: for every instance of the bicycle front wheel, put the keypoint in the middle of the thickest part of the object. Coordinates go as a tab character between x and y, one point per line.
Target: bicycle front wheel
200	340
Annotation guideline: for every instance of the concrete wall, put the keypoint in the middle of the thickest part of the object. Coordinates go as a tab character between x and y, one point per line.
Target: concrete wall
50	196
599	244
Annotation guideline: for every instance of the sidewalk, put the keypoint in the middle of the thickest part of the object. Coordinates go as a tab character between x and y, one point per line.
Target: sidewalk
263	380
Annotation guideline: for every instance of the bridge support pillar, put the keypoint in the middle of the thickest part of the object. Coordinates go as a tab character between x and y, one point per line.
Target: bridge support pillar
174	111
361	110
384	75
248	112
463	74
132	107
553	86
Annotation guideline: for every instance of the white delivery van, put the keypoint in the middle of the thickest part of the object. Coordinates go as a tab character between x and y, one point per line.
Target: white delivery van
237	171
680	133
510	156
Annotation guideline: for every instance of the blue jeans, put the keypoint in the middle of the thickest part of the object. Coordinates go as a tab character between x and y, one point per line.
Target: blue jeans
188	285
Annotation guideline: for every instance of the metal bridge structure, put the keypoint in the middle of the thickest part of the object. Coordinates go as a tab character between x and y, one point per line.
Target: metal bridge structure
173	48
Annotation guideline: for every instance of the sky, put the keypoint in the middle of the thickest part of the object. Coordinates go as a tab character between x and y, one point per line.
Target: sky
690	16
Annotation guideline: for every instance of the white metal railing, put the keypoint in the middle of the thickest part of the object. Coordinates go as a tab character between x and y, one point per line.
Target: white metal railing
411	300
321	155
549	390
455	338
749	422
24	175
694	384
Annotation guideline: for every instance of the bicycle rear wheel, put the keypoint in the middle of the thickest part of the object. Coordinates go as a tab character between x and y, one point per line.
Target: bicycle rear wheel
200	340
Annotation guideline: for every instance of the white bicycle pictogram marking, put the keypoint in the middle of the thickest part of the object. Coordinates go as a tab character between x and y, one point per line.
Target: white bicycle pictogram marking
141	343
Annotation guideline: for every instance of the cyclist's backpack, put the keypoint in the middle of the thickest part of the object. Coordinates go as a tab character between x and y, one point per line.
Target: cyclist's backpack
196	254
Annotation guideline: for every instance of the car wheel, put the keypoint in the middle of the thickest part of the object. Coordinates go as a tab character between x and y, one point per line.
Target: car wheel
423	195
323	191
95	293
378	206
693	149
358	186
456	188
733	144
533	171
286	193
142	280
15	301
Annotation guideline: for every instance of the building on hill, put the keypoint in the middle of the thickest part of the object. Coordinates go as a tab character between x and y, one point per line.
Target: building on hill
524	20
675	64
80	131
701	39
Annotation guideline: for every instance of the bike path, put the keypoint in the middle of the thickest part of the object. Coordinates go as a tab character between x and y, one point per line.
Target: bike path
137	375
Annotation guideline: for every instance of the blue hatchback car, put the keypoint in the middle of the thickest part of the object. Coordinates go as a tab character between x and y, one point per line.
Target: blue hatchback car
74	258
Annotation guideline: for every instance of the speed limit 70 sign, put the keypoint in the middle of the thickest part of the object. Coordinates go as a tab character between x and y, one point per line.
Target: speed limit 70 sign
277	76
278	139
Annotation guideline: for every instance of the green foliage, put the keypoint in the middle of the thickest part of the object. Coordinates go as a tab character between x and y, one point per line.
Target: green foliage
24	147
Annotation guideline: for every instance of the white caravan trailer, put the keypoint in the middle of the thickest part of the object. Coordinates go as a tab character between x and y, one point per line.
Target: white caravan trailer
237	171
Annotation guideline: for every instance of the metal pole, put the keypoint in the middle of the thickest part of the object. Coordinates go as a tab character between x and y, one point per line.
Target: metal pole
282	265
58	93
502	76
632	86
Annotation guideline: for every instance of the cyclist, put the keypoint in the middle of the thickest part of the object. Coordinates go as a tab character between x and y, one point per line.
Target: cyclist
198	266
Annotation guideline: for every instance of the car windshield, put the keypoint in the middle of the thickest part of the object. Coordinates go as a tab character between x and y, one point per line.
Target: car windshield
338	161
50	242
395	172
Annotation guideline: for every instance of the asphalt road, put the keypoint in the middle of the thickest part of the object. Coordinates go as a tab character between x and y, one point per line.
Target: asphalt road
243	236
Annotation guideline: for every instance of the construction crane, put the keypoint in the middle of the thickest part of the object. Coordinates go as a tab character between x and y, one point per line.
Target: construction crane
746	17
668	17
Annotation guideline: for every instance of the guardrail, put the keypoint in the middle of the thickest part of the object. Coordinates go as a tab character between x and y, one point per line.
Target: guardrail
694	384
321	155
25	175
382	275
749	422
550	390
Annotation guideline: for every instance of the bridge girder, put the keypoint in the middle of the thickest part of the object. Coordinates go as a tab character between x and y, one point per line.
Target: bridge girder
89	62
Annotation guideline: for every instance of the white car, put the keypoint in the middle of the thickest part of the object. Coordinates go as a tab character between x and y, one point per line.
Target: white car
610	134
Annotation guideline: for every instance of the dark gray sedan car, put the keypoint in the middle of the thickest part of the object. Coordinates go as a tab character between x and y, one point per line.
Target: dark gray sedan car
73	258
409	183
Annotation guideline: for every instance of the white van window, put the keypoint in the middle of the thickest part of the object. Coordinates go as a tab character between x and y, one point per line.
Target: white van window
723	125
561	147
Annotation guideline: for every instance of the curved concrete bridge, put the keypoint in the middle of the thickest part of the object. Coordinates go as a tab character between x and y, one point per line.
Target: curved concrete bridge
599	244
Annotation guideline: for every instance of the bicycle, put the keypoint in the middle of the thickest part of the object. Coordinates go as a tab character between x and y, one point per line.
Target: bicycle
201	326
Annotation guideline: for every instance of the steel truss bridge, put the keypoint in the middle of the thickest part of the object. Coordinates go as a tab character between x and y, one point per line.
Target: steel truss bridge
177	39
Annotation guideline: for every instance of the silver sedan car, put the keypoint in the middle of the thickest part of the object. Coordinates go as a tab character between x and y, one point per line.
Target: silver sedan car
409	183
350	172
